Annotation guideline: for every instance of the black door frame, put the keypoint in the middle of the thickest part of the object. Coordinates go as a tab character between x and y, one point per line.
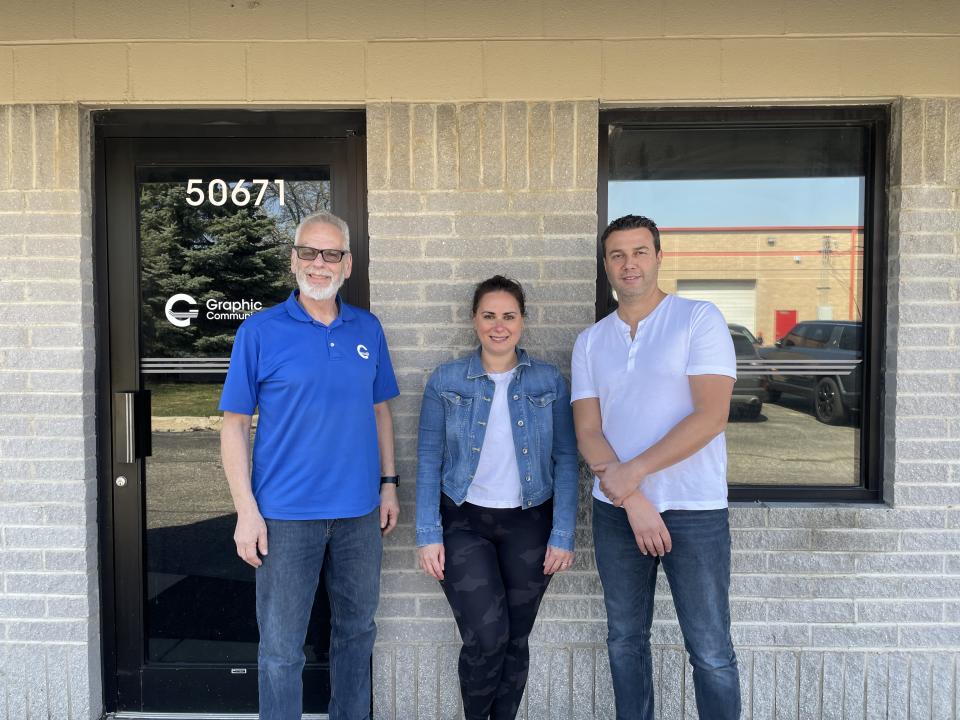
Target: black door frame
118	135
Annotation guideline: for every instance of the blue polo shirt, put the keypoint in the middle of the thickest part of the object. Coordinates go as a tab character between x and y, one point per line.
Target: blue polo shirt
315	455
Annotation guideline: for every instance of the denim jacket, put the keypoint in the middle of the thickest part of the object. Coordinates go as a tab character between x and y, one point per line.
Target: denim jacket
453	419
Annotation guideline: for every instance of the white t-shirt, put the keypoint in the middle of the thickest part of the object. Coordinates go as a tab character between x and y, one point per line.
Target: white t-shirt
644	392
496	482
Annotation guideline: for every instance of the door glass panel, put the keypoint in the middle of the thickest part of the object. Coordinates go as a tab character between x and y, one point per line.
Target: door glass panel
213	250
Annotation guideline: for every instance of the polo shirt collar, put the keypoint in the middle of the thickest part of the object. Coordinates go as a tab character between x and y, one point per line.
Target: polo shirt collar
475	365
345	313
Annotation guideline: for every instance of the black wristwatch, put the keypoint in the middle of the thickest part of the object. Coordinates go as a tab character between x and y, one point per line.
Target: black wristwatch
390	480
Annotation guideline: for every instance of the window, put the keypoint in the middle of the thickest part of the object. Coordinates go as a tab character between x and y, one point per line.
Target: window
776	215
742	345
851	339
818	335
794	337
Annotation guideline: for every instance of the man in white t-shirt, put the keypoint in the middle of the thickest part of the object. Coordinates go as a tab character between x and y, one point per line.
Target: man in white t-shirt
651	394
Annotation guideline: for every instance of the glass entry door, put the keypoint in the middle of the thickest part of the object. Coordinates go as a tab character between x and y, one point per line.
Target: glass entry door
198	238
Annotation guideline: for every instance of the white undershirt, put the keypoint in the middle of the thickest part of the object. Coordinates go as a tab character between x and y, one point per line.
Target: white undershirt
496	483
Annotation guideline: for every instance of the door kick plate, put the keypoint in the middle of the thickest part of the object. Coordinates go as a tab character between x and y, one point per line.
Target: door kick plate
201	716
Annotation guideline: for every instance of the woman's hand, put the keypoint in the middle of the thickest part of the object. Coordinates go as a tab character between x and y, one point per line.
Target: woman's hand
431	560
557	560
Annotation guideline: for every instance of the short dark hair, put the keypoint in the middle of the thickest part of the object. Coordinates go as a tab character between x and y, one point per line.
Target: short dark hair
631	222
499	283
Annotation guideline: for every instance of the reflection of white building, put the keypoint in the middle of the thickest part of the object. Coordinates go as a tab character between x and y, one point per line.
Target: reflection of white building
768	278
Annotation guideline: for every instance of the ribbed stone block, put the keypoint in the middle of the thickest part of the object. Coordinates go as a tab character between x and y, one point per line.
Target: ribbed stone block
470	152
447	146
564	145
515	145
399	148
424	160
539	134
492	145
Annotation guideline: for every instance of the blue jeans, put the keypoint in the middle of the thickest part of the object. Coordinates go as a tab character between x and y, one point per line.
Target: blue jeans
287	581
698	570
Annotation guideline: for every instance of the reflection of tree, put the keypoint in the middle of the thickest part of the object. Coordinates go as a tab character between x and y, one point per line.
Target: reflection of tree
301	198
220	253
224	253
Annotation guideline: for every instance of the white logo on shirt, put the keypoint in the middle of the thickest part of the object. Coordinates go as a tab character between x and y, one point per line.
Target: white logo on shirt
363	352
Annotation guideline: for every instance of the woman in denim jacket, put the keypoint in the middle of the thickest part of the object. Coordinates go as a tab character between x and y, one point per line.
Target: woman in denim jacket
496	496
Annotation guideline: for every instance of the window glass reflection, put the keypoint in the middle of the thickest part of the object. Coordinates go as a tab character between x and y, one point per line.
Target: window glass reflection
766	223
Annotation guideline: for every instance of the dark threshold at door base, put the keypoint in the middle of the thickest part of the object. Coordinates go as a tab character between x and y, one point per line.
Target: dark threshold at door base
200	716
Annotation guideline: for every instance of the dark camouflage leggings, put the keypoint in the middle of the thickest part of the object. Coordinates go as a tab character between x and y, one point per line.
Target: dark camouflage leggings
493	579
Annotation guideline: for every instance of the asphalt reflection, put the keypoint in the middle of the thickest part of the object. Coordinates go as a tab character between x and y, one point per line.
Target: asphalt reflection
787	445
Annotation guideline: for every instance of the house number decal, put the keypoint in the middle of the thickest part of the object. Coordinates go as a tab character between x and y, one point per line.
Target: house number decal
218	192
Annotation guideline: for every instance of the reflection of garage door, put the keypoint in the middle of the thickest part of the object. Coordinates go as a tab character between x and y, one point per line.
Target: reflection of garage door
737	299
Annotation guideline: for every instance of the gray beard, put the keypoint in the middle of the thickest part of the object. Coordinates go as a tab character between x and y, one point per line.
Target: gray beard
315	293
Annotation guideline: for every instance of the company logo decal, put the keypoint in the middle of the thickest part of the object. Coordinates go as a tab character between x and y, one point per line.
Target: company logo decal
181	318
363	352
214	309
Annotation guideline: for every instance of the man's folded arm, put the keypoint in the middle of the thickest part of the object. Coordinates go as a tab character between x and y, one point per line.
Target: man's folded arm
589	428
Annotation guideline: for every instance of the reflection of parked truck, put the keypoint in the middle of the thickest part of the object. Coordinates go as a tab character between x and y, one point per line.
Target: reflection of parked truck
819	360
750	389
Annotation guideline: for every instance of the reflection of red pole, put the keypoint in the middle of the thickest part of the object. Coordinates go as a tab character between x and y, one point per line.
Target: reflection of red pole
853	269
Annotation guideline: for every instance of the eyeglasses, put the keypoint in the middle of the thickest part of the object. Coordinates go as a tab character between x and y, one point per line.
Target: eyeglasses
309	254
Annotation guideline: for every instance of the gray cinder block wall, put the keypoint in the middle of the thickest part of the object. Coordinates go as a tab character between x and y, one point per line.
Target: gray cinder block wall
458	193
49	607
839	611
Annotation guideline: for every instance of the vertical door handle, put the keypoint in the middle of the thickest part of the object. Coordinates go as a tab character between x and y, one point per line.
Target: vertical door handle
131	425
124	439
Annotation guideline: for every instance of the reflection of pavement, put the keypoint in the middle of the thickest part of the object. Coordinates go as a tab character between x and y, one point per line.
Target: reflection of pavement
788	446
164	423
200	594
185	424
190	516
185	481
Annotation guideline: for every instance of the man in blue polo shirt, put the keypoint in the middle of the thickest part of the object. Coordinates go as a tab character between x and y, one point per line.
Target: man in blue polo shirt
322	487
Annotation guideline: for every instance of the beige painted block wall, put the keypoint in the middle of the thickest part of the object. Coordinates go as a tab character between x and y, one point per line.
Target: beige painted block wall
618	51
441	19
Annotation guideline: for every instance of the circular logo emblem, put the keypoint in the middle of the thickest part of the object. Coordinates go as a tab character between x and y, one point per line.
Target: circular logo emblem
363	352
181	318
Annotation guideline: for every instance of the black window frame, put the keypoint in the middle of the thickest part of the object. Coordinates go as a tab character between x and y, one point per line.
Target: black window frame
875	120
